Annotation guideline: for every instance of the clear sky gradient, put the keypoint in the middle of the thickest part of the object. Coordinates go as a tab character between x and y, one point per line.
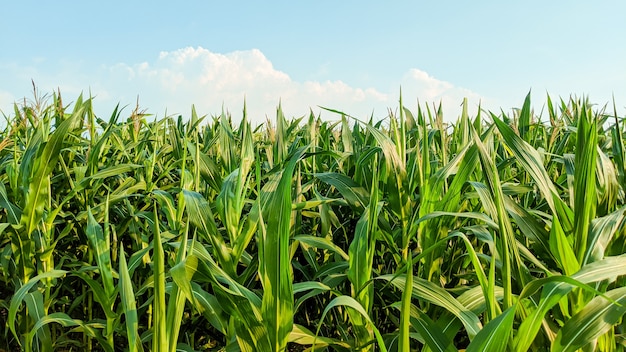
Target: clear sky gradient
346	55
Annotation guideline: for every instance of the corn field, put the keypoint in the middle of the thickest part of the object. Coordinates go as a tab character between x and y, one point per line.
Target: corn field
499	232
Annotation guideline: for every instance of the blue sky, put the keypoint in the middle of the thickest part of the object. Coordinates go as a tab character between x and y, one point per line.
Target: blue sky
347	55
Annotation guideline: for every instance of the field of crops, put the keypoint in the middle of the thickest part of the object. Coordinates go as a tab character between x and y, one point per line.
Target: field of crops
496	233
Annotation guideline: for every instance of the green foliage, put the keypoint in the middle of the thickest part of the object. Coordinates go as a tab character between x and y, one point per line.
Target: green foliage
502	233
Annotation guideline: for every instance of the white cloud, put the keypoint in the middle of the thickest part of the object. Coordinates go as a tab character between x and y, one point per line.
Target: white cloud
210	80
417	84
177	79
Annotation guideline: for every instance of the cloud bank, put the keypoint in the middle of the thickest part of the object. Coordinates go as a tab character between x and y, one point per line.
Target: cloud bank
173	81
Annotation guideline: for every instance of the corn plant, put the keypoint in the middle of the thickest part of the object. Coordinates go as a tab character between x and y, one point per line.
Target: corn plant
497	232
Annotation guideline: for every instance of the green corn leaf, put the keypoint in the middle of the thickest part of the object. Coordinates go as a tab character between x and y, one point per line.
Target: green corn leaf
14	213
44	163
603	230
596	318
166	204
36	169
585	198
220	278
350	302
304	337
354	194
512	266
236	301
115	170
474	299
200	215
463	165
428	291
99	293
209	306
361	258
312	289
562	249
523	125
274	258
182	274
531	161
103	139
432	334
102	248
231	199
251	331
495	335
209	170
35	307
180	292
127	296
321	243
607	269
66	321
361	254
21	293
309	285
159	338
